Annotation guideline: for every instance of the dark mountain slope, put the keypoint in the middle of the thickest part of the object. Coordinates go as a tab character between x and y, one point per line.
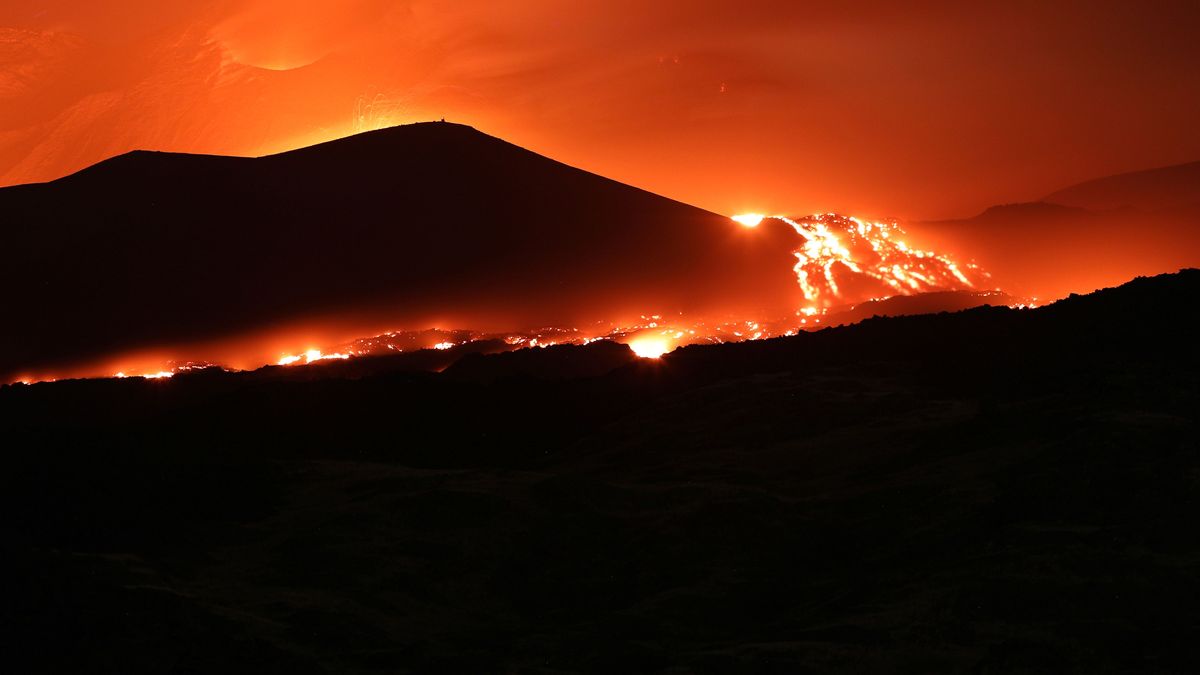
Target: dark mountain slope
427	221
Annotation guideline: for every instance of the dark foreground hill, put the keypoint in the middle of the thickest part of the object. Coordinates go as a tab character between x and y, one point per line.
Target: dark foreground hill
405	226
991	491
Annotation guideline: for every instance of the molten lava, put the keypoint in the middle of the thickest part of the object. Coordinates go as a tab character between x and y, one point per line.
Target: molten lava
843	259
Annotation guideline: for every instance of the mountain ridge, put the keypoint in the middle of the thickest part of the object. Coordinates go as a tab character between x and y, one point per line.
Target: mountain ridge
1156	189
1083	237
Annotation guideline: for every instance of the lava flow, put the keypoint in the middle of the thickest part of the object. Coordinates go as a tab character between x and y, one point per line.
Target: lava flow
841	262
844	259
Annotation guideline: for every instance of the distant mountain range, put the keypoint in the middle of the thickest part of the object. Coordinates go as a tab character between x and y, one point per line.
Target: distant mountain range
1166	188
1083	237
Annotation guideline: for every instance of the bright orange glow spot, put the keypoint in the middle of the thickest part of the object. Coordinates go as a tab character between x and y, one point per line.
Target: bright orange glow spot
748	219
310	356
649	347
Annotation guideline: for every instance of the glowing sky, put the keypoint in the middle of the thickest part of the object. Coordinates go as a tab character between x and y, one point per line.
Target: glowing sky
924	109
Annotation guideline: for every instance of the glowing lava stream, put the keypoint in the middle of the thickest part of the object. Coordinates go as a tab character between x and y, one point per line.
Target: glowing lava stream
843	259
840	260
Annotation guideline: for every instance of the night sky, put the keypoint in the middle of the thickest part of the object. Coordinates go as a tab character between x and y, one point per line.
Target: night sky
917	110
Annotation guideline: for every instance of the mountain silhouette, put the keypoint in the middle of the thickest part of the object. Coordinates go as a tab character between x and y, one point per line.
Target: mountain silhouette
403	226
1152	190
1081	238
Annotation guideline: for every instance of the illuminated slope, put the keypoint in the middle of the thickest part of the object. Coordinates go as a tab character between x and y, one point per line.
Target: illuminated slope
409	227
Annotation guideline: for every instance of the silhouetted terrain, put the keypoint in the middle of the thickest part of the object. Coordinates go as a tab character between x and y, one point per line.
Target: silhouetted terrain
991	491
1169	187
1048	249
424	222
920	303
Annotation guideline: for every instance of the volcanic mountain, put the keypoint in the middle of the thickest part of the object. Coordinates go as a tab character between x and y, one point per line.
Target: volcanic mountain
403	226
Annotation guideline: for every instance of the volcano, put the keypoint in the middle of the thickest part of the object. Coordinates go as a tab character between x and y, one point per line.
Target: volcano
150	263
406	226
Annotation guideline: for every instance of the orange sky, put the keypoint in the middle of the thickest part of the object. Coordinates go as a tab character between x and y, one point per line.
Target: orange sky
930	109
